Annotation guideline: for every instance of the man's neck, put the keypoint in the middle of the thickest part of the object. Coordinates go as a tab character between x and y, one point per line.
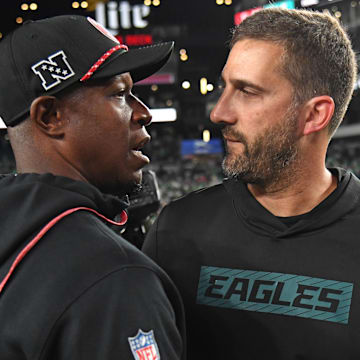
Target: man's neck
297	197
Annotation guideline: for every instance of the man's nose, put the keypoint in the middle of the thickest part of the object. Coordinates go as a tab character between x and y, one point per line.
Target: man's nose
223	112
141	114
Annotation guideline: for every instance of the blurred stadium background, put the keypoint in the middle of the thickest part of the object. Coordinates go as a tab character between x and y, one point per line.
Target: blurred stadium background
186	149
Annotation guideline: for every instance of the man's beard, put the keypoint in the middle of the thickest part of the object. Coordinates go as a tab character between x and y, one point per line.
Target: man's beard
270	158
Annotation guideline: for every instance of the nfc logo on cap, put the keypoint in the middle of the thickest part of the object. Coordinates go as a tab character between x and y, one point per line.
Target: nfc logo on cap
53	70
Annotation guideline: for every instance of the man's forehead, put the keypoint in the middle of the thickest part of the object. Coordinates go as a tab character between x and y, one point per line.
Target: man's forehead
123	79
254	51
254	59
102	84
113	80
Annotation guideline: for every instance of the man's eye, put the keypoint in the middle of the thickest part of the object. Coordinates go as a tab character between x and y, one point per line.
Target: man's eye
246	92
120	94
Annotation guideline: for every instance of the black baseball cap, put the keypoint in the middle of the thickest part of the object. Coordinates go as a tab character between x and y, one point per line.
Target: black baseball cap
45	57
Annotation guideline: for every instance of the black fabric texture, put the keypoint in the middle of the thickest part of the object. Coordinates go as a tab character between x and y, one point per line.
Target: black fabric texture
224	227
83	290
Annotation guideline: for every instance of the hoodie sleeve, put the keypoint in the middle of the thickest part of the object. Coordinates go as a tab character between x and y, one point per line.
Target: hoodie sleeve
125	316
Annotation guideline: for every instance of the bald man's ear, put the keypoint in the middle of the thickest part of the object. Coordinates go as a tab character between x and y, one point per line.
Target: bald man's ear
45	114
317	114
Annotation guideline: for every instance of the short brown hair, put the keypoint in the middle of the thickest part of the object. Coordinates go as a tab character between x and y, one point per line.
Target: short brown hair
318	56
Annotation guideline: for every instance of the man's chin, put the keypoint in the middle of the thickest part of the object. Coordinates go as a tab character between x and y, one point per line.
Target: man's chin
121	190
232	169
134	189
241	174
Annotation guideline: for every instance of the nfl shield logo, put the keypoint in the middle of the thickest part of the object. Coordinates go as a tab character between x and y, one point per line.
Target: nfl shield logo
143	346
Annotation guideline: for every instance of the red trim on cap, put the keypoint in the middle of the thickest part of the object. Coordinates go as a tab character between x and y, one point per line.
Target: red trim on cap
46	228
102	59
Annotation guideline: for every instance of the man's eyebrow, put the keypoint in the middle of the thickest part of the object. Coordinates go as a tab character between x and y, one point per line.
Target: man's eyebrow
238	83
245	83
117	82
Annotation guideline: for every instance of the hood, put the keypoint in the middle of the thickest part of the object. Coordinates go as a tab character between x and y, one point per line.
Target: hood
344	200
29	201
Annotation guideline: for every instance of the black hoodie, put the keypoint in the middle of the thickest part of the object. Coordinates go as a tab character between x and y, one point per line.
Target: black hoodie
260	287
81	292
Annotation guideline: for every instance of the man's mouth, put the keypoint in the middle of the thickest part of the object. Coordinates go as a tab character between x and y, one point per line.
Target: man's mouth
230	139
136	150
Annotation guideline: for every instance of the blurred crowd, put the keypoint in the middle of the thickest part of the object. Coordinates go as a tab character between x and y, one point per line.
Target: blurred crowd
178	175
345	152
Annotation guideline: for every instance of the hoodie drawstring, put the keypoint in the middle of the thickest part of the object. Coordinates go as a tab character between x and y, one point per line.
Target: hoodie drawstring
46	228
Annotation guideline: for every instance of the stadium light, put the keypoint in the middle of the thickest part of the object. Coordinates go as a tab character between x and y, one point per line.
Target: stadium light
163	115
206	135
203	85
186	85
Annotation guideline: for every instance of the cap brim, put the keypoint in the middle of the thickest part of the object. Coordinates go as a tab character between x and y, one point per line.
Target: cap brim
140	63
